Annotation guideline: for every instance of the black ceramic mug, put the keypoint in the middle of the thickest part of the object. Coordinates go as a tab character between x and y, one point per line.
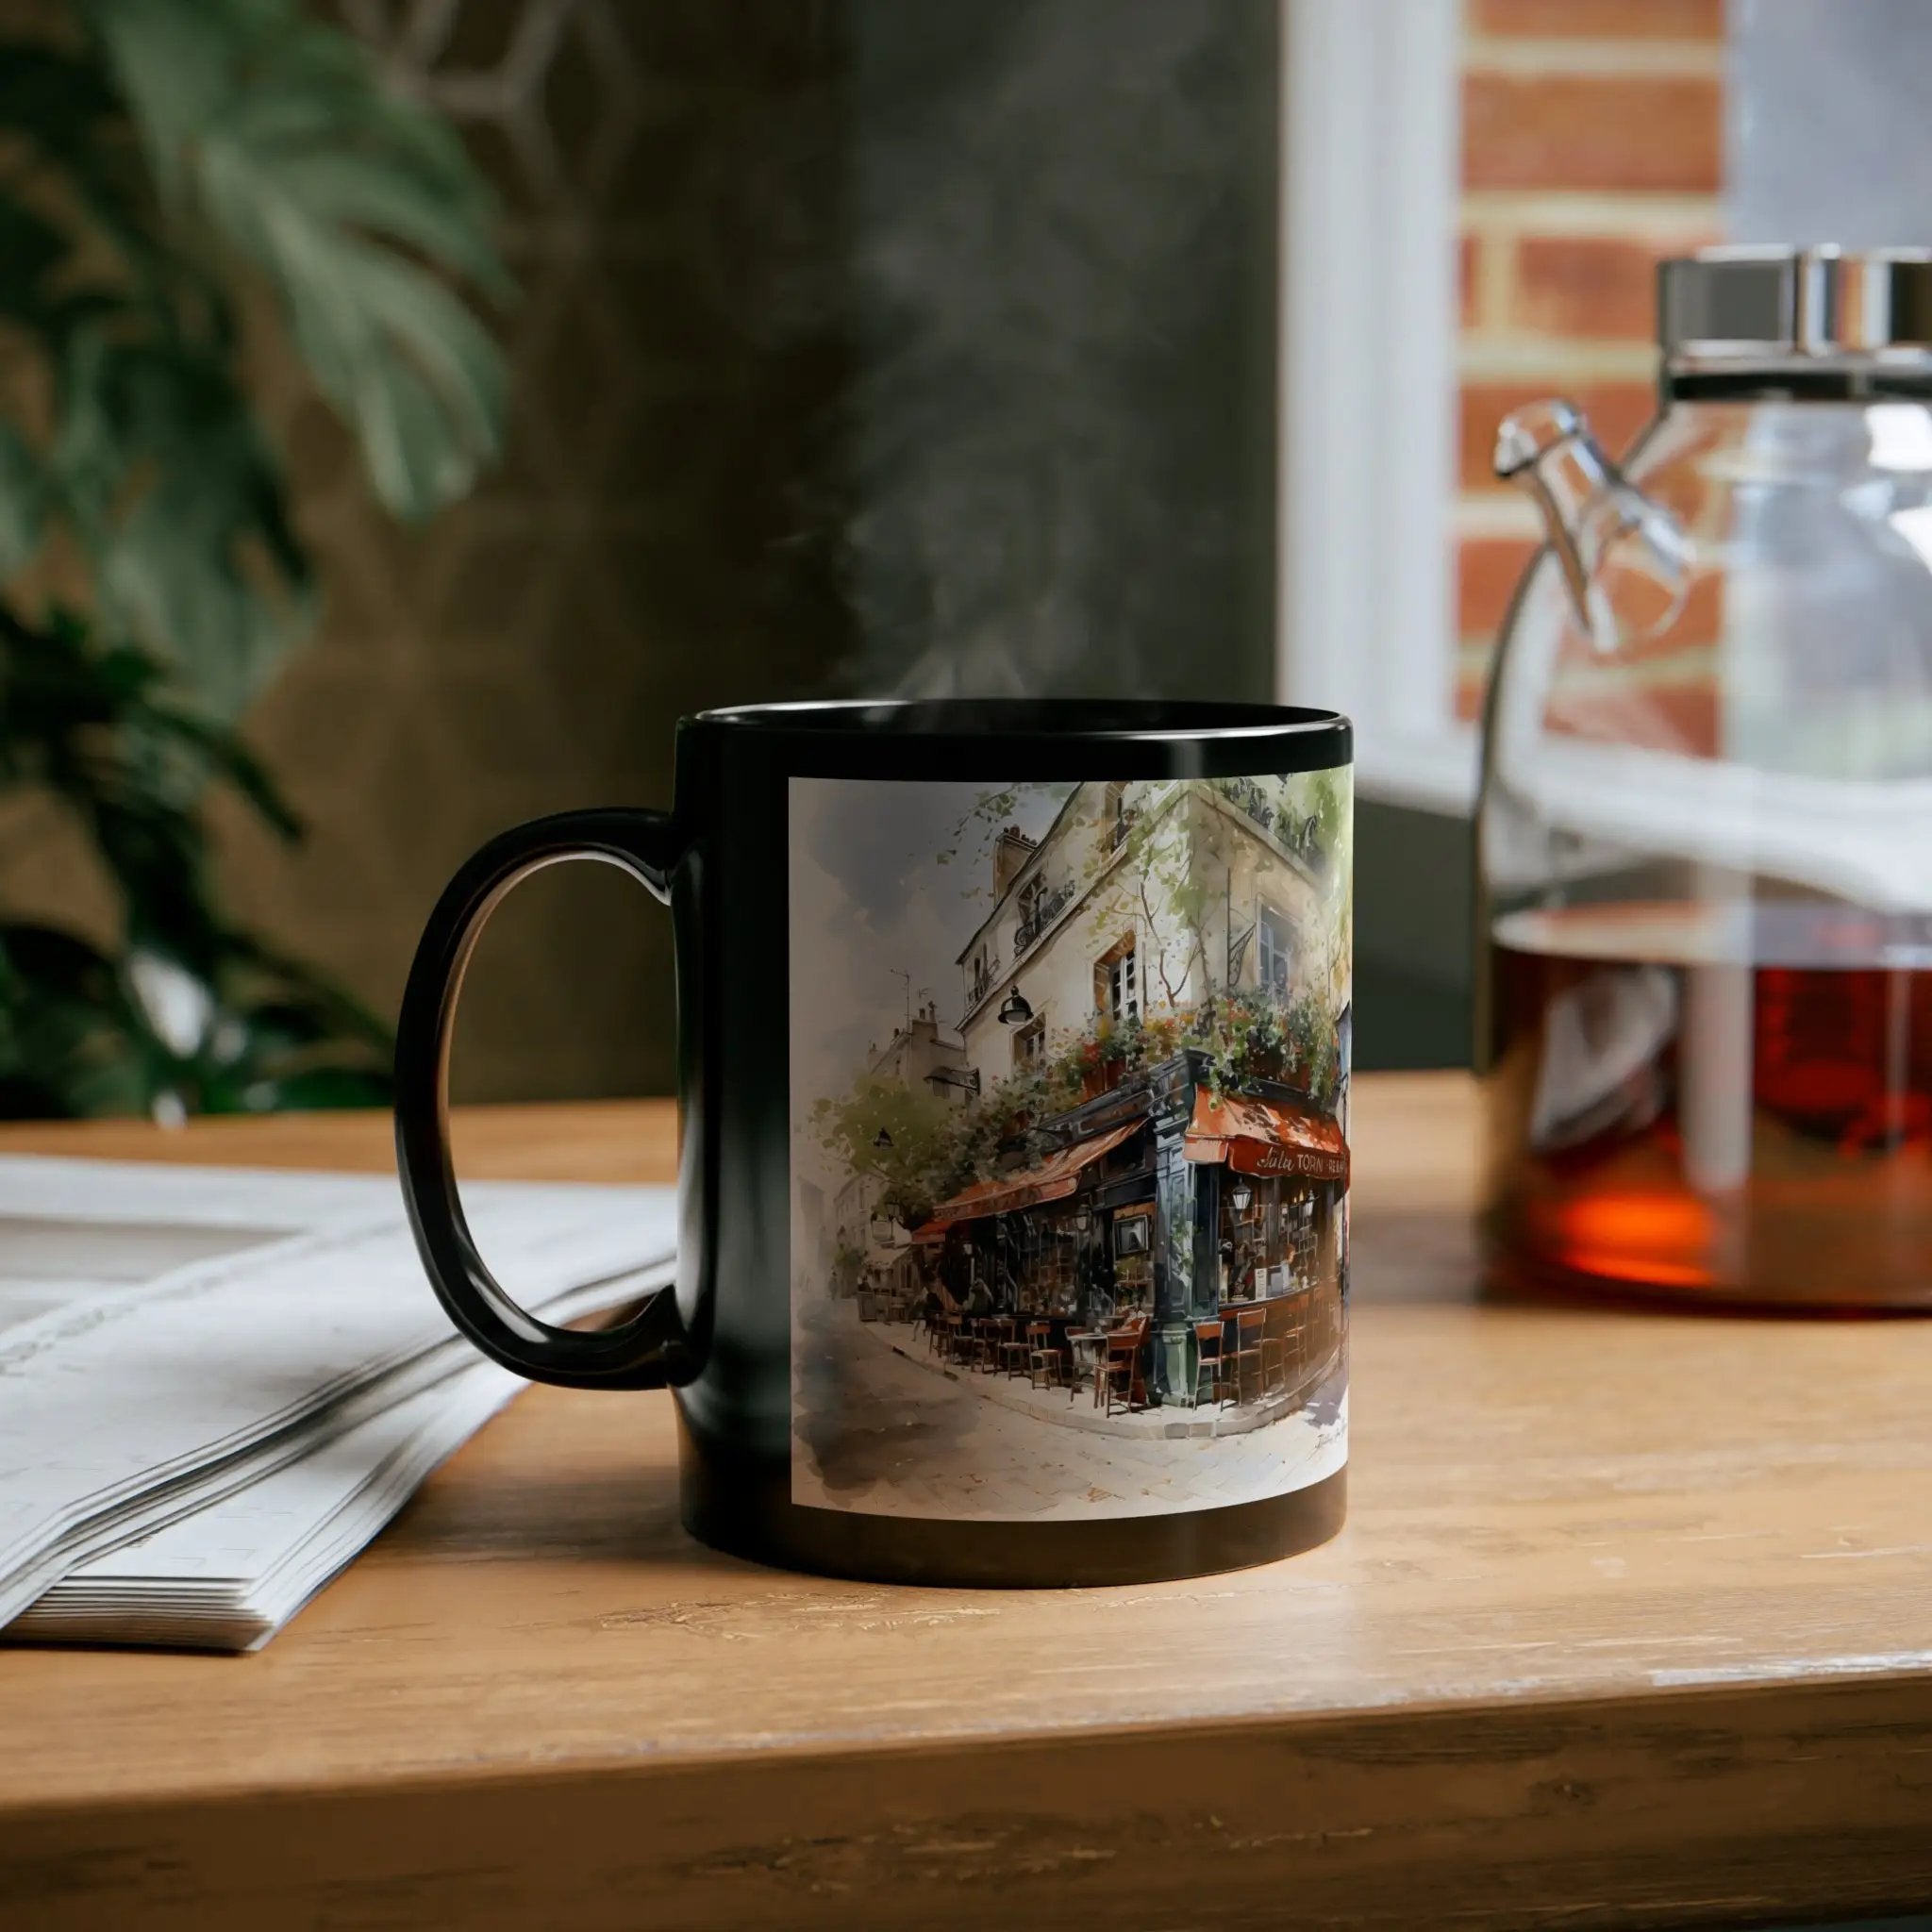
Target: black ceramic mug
1013	1047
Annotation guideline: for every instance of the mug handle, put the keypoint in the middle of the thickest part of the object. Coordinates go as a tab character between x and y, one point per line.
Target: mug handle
649	1350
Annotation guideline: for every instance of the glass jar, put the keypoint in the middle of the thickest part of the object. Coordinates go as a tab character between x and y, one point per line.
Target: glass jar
1704	834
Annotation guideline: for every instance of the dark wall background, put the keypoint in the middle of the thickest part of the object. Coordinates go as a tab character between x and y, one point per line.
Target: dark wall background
861	346
1414	879
676	184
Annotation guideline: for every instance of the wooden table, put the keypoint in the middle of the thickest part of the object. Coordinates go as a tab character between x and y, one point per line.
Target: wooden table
1632	1623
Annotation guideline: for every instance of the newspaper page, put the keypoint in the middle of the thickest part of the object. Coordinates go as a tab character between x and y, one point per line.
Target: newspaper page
168	1334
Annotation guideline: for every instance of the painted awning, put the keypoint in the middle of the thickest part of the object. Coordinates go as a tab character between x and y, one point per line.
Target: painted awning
1263	1136
1053	1179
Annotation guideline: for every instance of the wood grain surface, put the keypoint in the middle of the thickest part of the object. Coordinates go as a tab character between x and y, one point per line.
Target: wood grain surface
1631	1623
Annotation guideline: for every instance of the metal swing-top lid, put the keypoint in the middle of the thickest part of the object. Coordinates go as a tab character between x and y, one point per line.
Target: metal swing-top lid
1796	305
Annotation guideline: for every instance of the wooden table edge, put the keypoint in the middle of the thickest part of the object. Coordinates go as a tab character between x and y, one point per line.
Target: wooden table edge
1556	1707
1451	1812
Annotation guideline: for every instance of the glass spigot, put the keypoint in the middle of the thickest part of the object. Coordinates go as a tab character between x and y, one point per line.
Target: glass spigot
1625	560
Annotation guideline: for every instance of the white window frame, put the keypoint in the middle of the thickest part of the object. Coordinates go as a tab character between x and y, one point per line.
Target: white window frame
1280	946
1029	1043
1371	188
1120	993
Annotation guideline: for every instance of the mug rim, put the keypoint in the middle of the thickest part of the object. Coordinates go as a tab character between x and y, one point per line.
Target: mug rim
1131	720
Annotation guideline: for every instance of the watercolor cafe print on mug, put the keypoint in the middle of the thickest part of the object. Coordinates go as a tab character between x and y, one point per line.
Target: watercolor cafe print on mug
1069	1115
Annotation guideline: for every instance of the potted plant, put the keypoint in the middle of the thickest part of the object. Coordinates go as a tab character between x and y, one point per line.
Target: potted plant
169	160
1103	1060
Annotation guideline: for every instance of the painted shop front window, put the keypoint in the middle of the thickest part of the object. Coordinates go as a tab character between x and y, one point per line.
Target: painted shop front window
1133	1259
1270	1240
1049	1249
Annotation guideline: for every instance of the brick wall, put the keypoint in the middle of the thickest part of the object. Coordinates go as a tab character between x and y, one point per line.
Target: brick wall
1592	147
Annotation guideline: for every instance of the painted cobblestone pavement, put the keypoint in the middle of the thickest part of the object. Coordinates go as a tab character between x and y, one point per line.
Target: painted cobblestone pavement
894	1437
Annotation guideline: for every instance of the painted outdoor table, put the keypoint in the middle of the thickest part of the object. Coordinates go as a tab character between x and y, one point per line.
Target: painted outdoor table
1089	1345
1631	1623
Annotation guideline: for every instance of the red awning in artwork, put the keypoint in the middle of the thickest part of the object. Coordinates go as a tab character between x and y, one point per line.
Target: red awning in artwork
1053	1179
1263	1136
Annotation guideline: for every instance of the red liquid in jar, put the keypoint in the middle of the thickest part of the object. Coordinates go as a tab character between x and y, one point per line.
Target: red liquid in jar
1713	1103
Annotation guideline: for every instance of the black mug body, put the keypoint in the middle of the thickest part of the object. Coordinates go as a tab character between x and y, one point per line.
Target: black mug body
1012	1046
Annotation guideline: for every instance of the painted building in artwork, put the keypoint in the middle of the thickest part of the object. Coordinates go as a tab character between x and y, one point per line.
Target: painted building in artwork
1219	1217
920	1052
1136	900
813	1260
1213	1217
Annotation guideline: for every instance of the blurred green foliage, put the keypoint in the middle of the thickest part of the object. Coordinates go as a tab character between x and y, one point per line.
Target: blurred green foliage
160	160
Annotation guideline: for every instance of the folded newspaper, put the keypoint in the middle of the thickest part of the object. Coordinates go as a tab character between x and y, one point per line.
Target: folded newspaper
216	1385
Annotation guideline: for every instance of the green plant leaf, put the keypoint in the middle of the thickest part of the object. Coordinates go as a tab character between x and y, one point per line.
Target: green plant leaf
228	758
277	133
196	553
99	729
295	988
79	165
148	157
67	1047
23	501
419	378
54	98
31	249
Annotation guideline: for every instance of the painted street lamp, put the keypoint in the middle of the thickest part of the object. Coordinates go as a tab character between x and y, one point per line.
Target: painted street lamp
882	1140
1244	1197
1014	1011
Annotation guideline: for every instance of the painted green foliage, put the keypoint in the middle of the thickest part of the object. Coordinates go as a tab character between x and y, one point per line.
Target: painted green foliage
1177	868
918	1131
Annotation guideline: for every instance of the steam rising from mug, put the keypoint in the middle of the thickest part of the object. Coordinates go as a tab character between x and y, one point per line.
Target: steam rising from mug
1061	423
